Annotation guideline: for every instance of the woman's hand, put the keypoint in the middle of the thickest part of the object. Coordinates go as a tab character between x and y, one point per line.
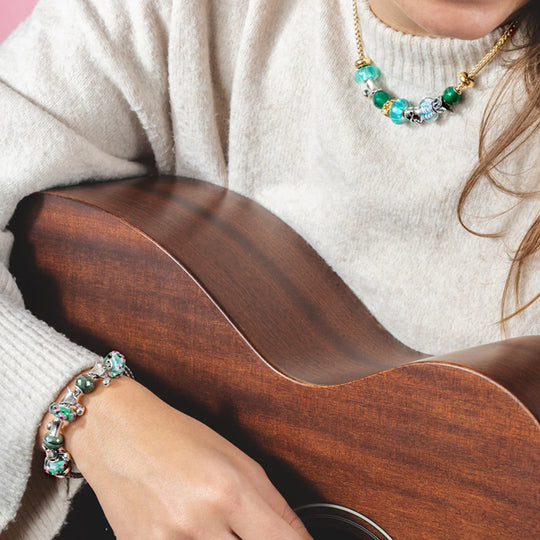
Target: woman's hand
161	474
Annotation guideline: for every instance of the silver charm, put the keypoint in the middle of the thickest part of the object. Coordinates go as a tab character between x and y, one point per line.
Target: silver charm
412	114
53	426
70	398
98	370
50	453
370	88
439	105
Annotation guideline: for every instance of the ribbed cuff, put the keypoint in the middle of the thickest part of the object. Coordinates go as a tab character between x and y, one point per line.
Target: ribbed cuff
37	362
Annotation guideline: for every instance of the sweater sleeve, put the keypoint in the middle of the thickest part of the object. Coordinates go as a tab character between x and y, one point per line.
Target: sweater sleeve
83	85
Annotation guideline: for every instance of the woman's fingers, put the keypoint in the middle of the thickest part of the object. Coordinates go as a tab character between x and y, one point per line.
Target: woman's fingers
273	497
255	518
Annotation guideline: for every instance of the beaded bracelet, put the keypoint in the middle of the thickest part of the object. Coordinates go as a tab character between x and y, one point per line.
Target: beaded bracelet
58	461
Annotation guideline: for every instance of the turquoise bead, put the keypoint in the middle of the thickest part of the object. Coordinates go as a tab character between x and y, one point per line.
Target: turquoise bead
380	98
367	72
53	441
396	111
85	382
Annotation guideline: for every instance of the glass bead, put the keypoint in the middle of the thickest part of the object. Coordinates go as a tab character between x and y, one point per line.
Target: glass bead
451	96
426	110
62	412
85	382
61	466
367	72
396	111
114	364
380	98
53	441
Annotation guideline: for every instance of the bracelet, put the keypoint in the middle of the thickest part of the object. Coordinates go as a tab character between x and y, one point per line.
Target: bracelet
58	461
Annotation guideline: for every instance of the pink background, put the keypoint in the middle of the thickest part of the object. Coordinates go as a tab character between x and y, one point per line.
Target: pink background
12	12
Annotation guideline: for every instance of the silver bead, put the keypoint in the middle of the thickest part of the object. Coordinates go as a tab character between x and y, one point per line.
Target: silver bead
370	88
412	114
80	409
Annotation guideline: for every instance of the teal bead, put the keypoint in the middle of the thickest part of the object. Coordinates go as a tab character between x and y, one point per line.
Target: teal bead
85	383
367	72
380	98
53	441
451	96
114	364
59	467
396	111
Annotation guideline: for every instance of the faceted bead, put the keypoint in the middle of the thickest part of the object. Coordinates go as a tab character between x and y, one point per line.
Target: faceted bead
367	72
426	110
52	441
451	96
380	98
114	364
396	111
85	382
62	412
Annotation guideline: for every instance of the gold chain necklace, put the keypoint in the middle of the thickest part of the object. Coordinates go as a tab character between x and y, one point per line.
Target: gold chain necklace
399	110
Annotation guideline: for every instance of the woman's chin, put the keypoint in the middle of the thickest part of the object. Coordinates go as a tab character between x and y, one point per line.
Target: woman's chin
458	20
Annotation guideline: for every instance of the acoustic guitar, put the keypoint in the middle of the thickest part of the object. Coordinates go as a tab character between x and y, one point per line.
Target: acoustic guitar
229	315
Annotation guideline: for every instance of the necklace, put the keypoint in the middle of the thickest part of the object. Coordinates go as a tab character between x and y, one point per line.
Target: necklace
399	110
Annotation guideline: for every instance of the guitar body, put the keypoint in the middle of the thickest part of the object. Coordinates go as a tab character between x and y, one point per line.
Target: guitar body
228	315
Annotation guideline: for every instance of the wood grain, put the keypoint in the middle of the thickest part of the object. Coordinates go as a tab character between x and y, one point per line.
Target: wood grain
231	317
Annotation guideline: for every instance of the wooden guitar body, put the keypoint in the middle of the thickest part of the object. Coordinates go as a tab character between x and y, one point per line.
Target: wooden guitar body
228	315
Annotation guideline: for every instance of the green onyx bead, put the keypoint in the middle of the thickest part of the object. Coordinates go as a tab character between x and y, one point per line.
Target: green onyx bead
85	382
53	441
380	98
451	96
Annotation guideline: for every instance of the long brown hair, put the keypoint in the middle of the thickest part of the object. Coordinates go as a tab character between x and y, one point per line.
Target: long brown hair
524	65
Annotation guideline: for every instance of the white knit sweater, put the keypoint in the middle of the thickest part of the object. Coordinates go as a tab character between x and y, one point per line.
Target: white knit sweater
257	96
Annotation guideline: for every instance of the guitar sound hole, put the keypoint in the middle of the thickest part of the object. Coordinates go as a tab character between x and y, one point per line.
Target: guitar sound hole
333	522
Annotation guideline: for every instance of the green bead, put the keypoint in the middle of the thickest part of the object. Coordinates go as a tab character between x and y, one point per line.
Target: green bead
59	467
380	98
52	441
85	382
62	412
451	96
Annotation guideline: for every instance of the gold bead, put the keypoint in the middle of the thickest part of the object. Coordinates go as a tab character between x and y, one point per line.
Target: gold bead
466	80
361	62
386	107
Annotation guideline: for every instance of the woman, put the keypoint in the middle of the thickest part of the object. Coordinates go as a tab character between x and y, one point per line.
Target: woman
259	96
